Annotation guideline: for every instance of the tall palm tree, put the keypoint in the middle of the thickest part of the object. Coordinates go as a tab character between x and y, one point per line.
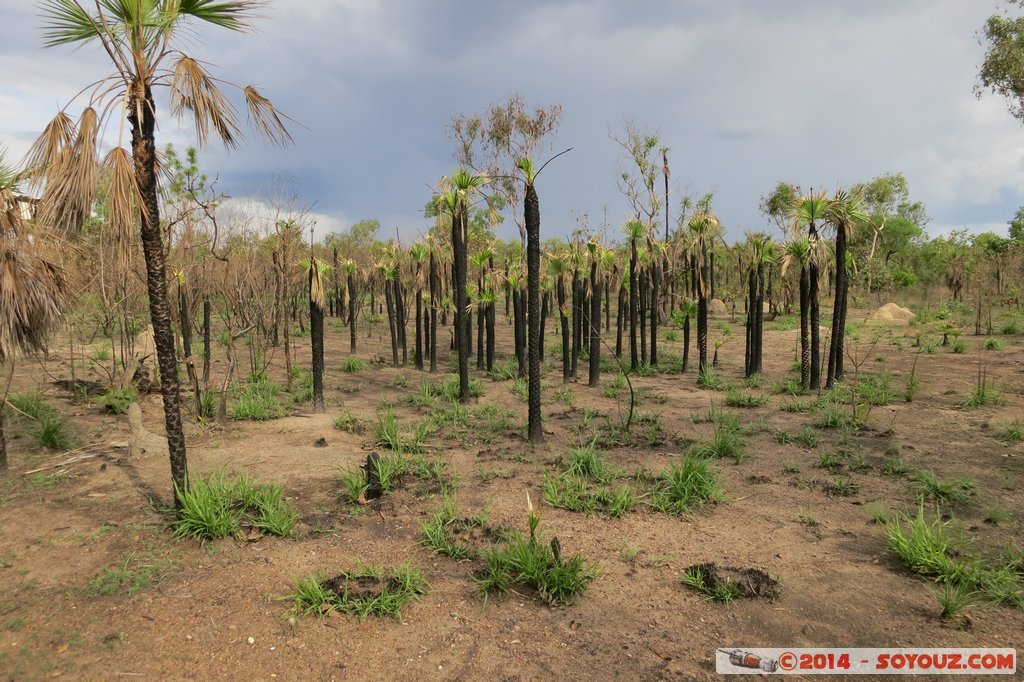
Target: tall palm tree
318	271
760	247
797	252
142	40
418	253
458	192
531	215
704	228
810	211
33	287
844	214
351	270
635	231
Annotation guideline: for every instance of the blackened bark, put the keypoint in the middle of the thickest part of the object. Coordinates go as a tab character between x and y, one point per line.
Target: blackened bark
642	314
144	159
805	347
531	214
564	322
595	326
459	270
389	297
206	342
634	361
815	321
316	337
655	277
351	313
435	295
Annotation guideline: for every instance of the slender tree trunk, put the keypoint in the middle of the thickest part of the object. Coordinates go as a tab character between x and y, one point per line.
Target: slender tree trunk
748	362
145	161
518	332
316	338
389	297
564	321
686	344
3	440
206	342
620	320
351	314
835	351
459	267
275	338
435	295
490	335
805	347
759	322
577	323
417	356
642	314
480	327
815	321
531	214
702	330
634	360
544	305
185	323
595	326
654	282
400	320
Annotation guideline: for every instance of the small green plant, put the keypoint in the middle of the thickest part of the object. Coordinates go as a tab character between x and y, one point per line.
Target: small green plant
529	562
566	395
895	464
725	442
959	346
363	592
1014	432
211	508
953	490
135	572
255	399
877	512
790	468
521	388
994	344
708	378
876	389
830	461
925	546
912	385
833	416
807	438
31	405
353	365
506	370
348	422
736	398
587	461
841	486
954	600
689	484
788	386
51	431
671	335
995	515
116	400
387	434
806	518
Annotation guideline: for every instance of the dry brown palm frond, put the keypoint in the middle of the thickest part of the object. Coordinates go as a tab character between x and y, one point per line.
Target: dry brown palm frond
33	295
317	270
266	117
71	179
124	201
46	150
193	89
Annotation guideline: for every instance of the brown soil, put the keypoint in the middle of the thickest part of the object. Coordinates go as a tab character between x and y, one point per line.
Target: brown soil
216	611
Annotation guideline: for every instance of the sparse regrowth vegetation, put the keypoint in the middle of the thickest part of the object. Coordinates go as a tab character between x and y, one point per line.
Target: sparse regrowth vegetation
213	508
362	592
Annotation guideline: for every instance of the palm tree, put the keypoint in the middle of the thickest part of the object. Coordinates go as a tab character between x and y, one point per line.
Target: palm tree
594	333
418	253
558	266
458	192
798	252
688	311
141	40
703	229
809	211
531	215
844	213
351	269
33	288
761	252
634	230
318	271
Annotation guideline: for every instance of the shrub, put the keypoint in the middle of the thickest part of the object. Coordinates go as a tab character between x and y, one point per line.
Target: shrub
255	399
117	400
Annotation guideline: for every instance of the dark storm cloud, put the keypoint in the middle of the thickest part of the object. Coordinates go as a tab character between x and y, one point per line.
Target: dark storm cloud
745	93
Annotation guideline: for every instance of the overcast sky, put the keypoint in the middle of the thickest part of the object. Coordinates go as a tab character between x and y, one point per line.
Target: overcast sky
746	93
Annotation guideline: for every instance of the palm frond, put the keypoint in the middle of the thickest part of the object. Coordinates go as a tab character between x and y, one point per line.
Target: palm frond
194	90
71	179
47	148
65	22
235	15
124	200
266	118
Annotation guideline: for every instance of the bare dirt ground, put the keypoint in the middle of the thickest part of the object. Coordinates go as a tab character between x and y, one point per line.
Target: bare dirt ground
216	611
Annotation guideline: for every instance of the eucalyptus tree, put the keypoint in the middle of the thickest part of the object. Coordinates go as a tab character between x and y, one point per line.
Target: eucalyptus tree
142	39
844	213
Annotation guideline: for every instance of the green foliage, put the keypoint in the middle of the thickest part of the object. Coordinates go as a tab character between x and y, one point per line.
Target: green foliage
137	571
725	442
788	386
737	398
363	592
212	508
116	400
255	399
689	484
959	346
387	434
875	389
353	365
586	461
709	379
994	344
348	422
1014	432
944	491
925	546
51	431
807	438
528	562
31	405
954	599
